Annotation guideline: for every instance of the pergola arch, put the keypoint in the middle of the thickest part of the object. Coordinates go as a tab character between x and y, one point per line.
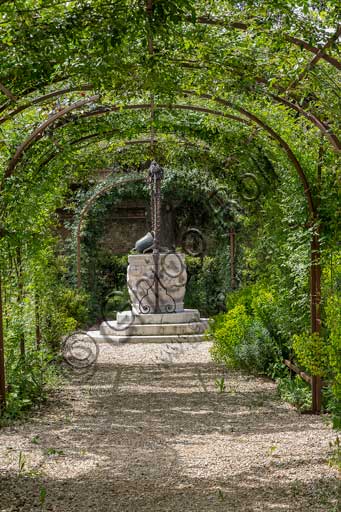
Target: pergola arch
243	104
324	127
39	131
129	142
210	21
87	206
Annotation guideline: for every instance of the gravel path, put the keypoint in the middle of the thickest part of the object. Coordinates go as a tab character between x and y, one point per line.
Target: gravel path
149	431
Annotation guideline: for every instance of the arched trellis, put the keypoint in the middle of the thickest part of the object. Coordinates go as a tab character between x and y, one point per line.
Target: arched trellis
319	54
92	139
315	245
39	131
87	206
324	127
121	182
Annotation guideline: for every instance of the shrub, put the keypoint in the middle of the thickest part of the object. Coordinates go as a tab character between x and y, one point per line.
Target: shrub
241	341
311	351
229	330
242	296
245	337
295	391
206	287
333	314
29	380
63	311
257	352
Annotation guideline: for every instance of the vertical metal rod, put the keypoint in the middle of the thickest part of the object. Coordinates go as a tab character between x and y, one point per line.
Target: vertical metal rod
315	302
155	176
315	283
157	219
232	256
20	297
2	355
157	204
37	320
79	276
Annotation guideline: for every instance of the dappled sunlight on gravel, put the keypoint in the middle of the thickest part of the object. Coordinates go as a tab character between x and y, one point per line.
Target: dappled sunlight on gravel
148	430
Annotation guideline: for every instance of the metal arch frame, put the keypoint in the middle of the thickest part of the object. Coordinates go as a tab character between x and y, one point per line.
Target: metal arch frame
324	127
274	135
38	133
43	98
319	52
126	142
88	204
315	284
321	125
204	20
30	90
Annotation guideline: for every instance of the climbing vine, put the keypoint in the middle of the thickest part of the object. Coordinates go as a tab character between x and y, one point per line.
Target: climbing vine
241	96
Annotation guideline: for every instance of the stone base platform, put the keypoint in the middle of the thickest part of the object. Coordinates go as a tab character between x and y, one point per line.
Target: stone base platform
181	327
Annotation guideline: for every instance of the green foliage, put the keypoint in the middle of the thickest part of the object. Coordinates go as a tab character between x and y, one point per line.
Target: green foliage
21	463
242	341
29	380
295	391
220	384
265	305
55	54
40	308
207	284
335	459
258	351
312	351
229	330
247	335
333	312
42	495
63	311
110	275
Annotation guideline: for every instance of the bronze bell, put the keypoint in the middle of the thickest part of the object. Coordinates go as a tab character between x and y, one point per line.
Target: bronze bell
145	244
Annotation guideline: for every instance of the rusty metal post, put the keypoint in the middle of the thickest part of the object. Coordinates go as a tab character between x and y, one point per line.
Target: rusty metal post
20	297
2	356
155	176
232	257
79	275
315	305
37	320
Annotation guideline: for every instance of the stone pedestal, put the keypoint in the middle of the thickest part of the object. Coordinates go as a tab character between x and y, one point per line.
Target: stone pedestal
186	326
156	286
157	283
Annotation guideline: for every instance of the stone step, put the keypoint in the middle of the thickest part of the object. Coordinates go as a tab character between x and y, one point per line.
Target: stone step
181	338
188	315
112	328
